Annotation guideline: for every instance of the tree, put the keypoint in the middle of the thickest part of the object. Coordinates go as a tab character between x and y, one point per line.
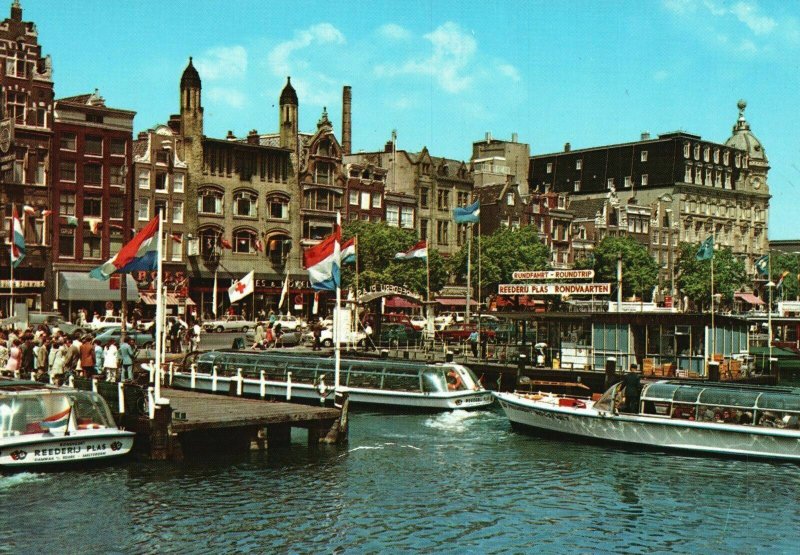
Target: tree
694	276
639	270
502	253
377	245
785	262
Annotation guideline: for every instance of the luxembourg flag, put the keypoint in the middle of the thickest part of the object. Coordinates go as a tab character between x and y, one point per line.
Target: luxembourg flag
323	261
420	250
139	254
349	250
58	420
18	238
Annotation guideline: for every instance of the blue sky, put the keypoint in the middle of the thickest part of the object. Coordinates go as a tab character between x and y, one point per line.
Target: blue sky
444	73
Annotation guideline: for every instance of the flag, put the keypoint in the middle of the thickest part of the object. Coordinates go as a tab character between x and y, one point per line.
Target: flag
315	307
706	250
17	238
72	221
259	245
176	237
468	214
242	287
420	250
349	250
284	291
779	285
46	213
94	225
29	210
138	254
323	261
58	420
224	243
762	266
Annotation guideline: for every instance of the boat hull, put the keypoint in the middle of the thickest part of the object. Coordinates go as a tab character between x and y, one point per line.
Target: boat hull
34	450
660	433
304	392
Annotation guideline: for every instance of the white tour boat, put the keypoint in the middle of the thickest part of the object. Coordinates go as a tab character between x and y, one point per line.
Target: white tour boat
399	384
711	418
42	425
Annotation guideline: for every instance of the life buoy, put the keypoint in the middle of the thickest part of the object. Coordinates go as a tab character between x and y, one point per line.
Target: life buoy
456	383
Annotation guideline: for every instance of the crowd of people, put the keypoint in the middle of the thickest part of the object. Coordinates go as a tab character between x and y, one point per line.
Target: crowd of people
54	357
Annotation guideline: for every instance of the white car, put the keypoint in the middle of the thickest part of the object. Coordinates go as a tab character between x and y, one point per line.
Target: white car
326	338
290	323
106	322
419	322
232	322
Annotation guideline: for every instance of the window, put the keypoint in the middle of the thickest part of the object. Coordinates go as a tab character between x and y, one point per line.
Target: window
317	229
66	206
708	177
364	200
463	198
726	158
716	156
93	207
41	173
562	202
66	242
40	116
244	241
643	157
209	239
393	215
628	181
162	157
354	198
177	183
687	177
278	248
443	200
407	217
15	67
576	186
696	152
423	197
610	183
66	171
93	145
645	177
118	175
698	176
176	241
549	167
144	179
510	199
177	211
579	164
161	207
323	174
376	200
210	202
727	180
321	199
706	154
686	150
737	160
19	170
278	207
461	233
16	102
161	182
442	228
144	209
94	118
91	243
114	240
423	229
117	147
717	178
93	175
116	208
68	141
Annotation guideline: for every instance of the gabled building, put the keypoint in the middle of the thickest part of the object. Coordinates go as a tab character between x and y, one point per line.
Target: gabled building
549	213
501	206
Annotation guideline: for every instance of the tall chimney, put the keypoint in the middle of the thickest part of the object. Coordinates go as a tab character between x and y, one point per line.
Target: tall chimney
346	119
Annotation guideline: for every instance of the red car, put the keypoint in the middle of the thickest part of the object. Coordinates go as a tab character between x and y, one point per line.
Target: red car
461	332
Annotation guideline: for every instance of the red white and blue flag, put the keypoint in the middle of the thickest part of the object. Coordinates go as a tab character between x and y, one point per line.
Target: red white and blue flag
349	250
323	262
420	250
17	238
58	420
139	254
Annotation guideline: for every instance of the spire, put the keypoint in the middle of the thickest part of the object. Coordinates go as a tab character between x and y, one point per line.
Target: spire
742	138
190	77
16	11
289	95
323	119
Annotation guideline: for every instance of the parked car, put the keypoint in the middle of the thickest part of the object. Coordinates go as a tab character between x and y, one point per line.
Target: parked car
398	334
233	322
326	338
105	322
418	322
143	339
288	338
55	322
289	322
461	332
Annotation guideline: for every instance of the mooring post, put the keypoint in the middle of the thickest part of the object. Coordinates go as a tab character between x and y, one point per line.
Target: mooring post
121	397
288	386
72	384
262	386
151	403
239	382
33	376
193	382
171	372
214	379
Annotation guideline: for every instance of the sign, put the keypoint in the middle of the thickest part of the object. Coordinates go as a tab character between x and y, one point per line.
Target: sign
554	289
21	283
668	301
554	274
377	291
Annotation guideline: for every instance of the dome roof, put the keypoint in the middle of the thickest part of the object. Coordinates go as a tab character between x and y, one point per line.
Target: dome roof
288	95
743	139
190	77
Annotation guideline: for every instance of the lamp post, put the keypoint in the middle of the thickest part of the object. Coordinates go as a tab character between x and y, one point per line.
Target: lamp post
770	286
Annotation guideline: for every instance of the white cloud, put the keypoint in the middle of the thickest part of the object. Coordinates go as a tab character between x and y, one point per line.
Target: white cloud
321	33
223	95
680	7
660	75
509	71
748	14
393	31
224	62
400	103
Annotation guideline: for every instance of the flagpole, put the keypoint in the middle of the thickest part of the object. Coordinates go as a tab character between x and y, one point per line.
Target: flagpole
469	272
480	295
11	265
355	244
214	295
337	352
713	329
159	307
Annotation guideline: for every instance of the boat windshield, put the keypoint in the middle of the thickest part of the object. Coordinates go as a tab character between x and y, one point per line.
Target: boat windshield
33	413
606	402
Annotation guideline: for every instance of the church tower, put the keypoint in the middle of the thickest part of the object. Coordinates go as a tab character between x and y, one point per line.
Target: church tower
191	105
288	116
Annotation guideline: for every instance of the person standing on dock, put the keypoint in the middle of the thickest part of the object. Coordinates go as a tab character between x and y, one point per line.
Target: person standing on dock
126	357
87	356
473	343
110	361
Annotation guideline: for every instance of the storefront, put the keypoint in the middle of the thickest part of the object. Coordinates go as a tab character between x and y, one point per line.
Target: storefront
25	291
77	290
266	297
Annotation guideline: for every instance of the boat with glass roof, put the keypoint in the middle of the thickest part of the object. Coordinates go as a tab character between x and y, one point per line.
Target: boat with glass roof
42	425
402	384
711	418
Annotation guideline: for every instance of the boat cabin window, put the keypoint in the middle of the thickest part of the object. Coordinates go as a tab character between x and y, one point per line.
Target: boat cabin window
606	402
433	381
46	412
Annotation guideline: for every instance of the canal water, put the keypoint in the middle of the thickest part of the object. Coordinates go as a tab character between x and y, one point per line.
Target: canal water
459	482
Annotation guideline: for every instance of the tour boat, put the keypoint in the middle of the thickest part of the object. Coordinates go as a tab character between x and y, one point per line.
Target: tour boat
710	418
446	386
42	425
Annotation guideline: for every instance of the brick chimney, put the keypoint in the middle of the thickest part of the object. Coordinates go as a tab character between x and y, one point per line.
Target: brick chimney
347	98
252	137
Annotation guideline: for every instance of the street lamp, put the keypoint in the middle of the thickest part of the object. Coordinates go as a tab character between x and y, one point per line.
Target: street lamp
770	286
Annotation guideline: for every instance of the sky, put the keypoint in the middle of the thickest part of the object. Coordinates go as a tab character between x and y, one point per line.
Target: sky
444	73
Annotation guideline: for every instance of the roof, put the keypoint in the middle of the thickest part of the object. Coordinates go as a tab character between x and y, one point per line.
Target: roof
490	194
744	139
586	208
190	77
140	147
288	94
748	298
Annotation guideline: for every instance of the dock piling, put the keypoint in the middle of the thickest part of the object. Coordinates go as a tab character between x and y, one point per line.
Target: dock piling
214	380
262	385
239	382
194	376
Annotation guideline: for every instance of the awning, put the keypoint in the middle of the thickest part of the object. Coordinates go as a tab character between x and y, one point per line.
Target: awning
748	298
78	286
172	299
400	302
458	301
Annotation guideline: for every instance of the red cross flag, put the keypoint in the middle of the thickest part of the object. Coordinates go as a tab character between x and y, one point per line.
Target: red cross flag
242	287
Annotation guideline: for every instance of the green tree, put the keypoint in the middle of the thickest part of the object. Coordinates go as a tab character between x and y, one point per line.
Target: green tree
377	245
502	253
639	270
785	262
694	276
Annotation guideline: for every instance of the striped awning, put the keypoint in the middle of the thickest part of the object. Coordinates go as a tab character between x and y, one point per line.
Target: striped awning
172	299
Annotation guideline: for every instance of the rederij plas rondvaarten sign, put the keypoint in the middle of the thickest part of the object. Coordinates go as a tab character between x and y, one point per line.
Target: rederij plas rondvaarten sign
554	289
